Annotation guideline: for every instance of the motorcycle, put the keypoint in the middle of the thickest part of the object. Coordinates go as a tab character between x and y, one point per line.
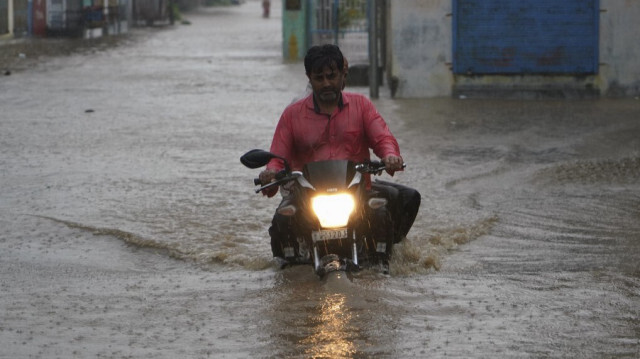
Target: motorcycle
337	224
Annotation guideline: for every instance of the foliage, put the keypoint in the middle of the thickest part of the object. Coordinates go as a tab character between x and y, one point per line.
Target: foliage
347	16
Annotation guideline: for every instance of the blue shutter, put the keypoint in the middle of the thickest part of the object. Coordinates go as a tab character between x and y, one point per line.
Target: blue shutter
525	36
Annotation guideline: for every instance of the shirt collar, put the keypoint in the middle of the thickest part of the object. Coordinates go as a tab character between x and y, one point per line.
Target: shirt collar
341	102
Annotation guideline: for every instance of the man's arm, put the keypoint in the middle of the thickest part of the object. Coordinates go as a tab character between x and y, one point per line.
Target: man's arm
280	145
382	141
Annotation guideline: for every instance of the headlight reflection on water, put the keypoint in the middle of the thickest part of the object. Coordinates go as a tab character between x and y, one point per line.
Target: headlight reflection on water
334	210
332	337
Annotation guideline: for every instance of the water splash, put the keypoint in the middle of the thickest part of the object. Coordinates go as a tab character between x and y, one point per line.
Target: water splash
414	256
227	252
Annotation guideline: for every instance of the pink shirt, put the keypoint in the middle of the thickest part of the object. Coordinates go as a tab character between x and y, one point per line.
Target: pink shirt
304	135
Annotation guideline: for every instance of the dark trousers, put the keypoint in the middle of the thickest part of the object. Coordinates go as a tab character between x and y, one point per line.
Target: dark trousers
403	204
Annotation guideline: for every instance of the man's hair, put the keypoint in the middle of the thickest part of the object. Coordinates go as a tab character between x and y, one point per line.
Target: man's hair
321	56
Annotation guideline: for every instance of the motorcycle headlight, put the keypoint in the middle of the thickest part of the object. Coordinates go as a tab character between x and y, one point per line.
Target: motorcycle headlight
333	210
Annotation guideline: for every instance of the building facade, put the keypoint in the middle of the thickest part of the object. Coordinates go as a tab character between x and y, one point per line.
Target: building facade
81	18
530	48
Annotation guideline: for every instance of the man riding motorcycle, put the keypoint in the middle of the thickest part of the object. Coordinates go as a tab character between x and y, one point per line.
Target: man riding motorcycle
332	124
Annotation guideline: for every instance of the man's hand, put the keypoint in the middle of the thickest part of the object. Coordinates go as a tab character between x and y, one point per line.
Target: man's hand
266	177
392	163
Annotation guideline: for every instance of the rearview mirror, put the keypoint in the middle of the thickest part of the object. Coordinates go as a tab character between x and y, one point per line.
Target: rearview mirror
257	158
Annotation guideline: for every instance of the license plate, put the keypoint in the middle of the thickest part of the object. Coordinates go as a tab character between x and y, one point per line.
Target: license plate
328	234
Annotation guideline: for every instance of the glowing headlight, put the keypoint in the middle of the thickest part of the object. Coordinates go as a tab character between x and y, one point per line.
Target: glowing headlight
333	210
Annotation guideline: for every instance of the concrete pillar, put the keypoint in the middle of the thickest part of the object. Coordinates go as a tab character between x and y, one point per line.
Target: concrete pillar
294	29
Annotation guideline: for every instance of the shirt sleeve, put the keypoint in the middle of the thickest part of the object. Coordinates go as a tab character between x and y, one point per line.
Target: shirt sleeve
281	144
380	138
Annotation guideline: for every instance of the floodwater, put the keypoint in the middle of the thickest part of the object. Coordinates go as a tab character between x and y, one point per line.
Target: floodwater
128	227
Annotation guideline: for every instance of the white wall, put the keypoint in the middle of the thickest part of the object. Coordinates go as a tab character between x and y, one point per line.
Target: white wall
620	47
420	42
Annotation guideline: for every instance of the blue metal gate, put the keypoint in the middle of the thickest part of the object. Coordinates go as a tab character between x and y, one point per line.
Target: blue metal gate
525	36
343	23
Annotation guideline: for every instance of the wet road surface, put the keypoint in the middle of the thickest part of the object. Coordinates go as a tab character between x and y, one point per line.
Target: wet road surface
130	229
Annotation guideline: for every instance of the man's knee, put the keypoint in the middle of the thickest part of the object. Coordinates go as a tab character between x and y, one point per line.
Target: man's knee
412	199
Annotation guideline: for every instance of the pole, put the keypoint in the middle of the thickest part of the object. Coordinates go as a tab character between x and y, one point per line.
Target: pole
336	19
105	11
30	17
10	18
373	49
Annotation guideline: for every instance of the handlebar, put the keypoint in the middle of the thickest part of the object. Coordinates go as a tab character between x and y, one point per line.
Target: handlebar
371	167
280	179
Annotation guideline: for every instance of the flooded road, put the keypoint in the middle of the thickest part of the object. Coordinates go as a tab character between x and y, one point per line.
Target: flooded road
128	227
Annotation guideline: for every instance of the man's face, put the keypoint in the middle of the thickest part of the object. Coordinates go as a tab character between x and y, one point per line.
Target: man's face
327	84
